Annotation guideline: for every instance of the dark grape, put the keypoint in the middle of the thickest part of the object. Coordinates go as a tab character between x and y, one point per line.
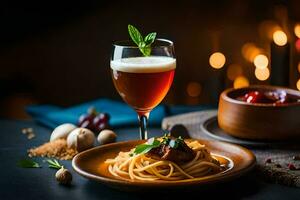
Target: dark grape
101	118
87	124
93	120
101	127
83	118
107	116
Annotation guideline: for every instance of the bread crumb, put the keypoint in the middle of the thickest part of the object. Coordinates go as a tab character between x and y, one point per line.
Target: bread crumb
55	149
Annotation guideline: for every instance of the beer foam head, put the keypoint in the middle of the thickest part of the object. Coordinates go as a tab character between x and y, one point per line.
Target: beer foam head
149	64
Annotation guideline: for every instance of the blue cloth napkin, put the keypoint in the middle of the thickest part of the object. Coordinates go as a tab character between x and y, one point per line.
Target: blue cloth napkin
121	114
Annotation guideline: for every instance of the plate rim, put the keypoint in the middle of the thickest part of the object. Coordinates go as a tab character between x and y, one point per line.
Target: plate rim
204	128
220	177
237	141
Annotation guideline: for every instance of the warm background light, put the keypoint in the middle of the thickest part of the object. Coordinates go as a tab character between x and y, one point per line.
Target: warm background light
298	67
267	28
297	30
250	51
217	60
262	74
240	82
261	61
297	45
233	71
298	84
280	38
194	89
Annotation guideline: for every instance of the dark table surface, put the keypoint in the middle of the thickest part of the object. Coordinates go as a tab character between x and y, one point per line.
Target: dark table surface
39	183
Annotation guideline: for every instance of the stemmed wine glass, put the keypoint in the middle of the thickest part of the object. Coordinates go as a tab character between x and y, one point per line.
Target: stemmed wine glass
143	81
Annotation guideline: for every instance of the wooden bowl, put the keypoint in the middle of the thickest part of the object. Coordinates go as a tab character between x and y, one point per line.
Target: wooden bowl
259	121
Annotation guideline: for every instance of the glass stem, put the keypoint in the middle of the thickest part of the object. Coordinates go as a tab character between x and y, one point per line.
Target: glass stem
143	119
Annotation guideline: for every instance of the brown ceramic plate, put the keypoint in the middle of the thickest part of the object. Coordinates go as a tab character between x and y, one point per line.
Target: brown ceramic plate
90	164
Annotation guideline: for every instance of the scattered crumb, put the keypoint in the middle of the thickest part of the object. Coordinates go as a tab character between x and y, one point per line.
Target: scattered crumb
30	136
28	132
56	149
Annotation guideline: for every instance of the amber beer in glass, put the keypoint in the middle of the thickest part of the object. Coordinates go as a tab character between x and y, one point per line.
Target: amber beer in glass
142	81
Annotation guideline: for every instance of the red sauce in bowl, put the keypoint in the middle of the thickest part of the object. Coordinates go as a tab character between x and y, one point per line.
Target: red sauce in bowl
268	97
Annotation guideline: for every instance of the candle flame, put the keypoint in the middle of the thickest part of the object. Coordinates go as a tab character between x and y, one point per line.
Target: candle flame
261	61
217	60
298	84
262	74
297	30
280	38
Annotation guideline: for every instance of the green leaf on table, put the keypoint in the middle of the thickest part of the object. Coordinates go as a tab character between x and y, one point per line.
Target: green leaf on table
27	163
54	164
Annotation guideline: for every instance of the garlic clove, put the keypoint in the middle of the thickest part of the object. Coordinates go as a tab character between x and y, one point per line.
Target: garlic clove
106	136
63	176
81	139
62	131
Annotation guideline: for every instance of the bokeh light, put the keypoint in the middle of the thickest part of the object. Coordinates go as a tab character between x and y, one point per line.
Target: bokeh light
249	51
297	45
240	82
262	74
261	61
297	30
217	60
233	71
298	67
298	84
194	89
280	38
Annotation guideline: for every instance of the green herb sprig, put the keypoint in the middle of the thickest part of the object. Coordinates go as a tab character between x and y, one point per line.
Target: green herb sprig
144	44
54	164
175	143
153	143
145	148
27	163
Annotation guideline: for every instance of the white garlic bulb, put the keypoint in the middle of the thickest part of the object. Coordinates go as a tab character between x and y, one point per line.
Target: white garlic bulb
106	136
81	139
62	131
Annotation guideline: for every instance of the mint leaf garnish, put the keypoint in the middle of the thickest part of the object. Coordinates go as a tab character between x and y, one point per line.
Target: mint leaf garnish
135	35
149	39
143	44
145	148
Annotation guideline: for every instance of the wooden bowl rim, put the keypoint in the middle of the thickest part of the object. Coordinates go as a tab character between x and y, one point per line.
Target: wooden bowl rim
225	96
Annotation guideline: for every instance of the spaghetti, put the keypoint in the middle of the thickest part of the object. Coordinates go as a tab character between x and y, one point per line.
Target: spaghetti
127	165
